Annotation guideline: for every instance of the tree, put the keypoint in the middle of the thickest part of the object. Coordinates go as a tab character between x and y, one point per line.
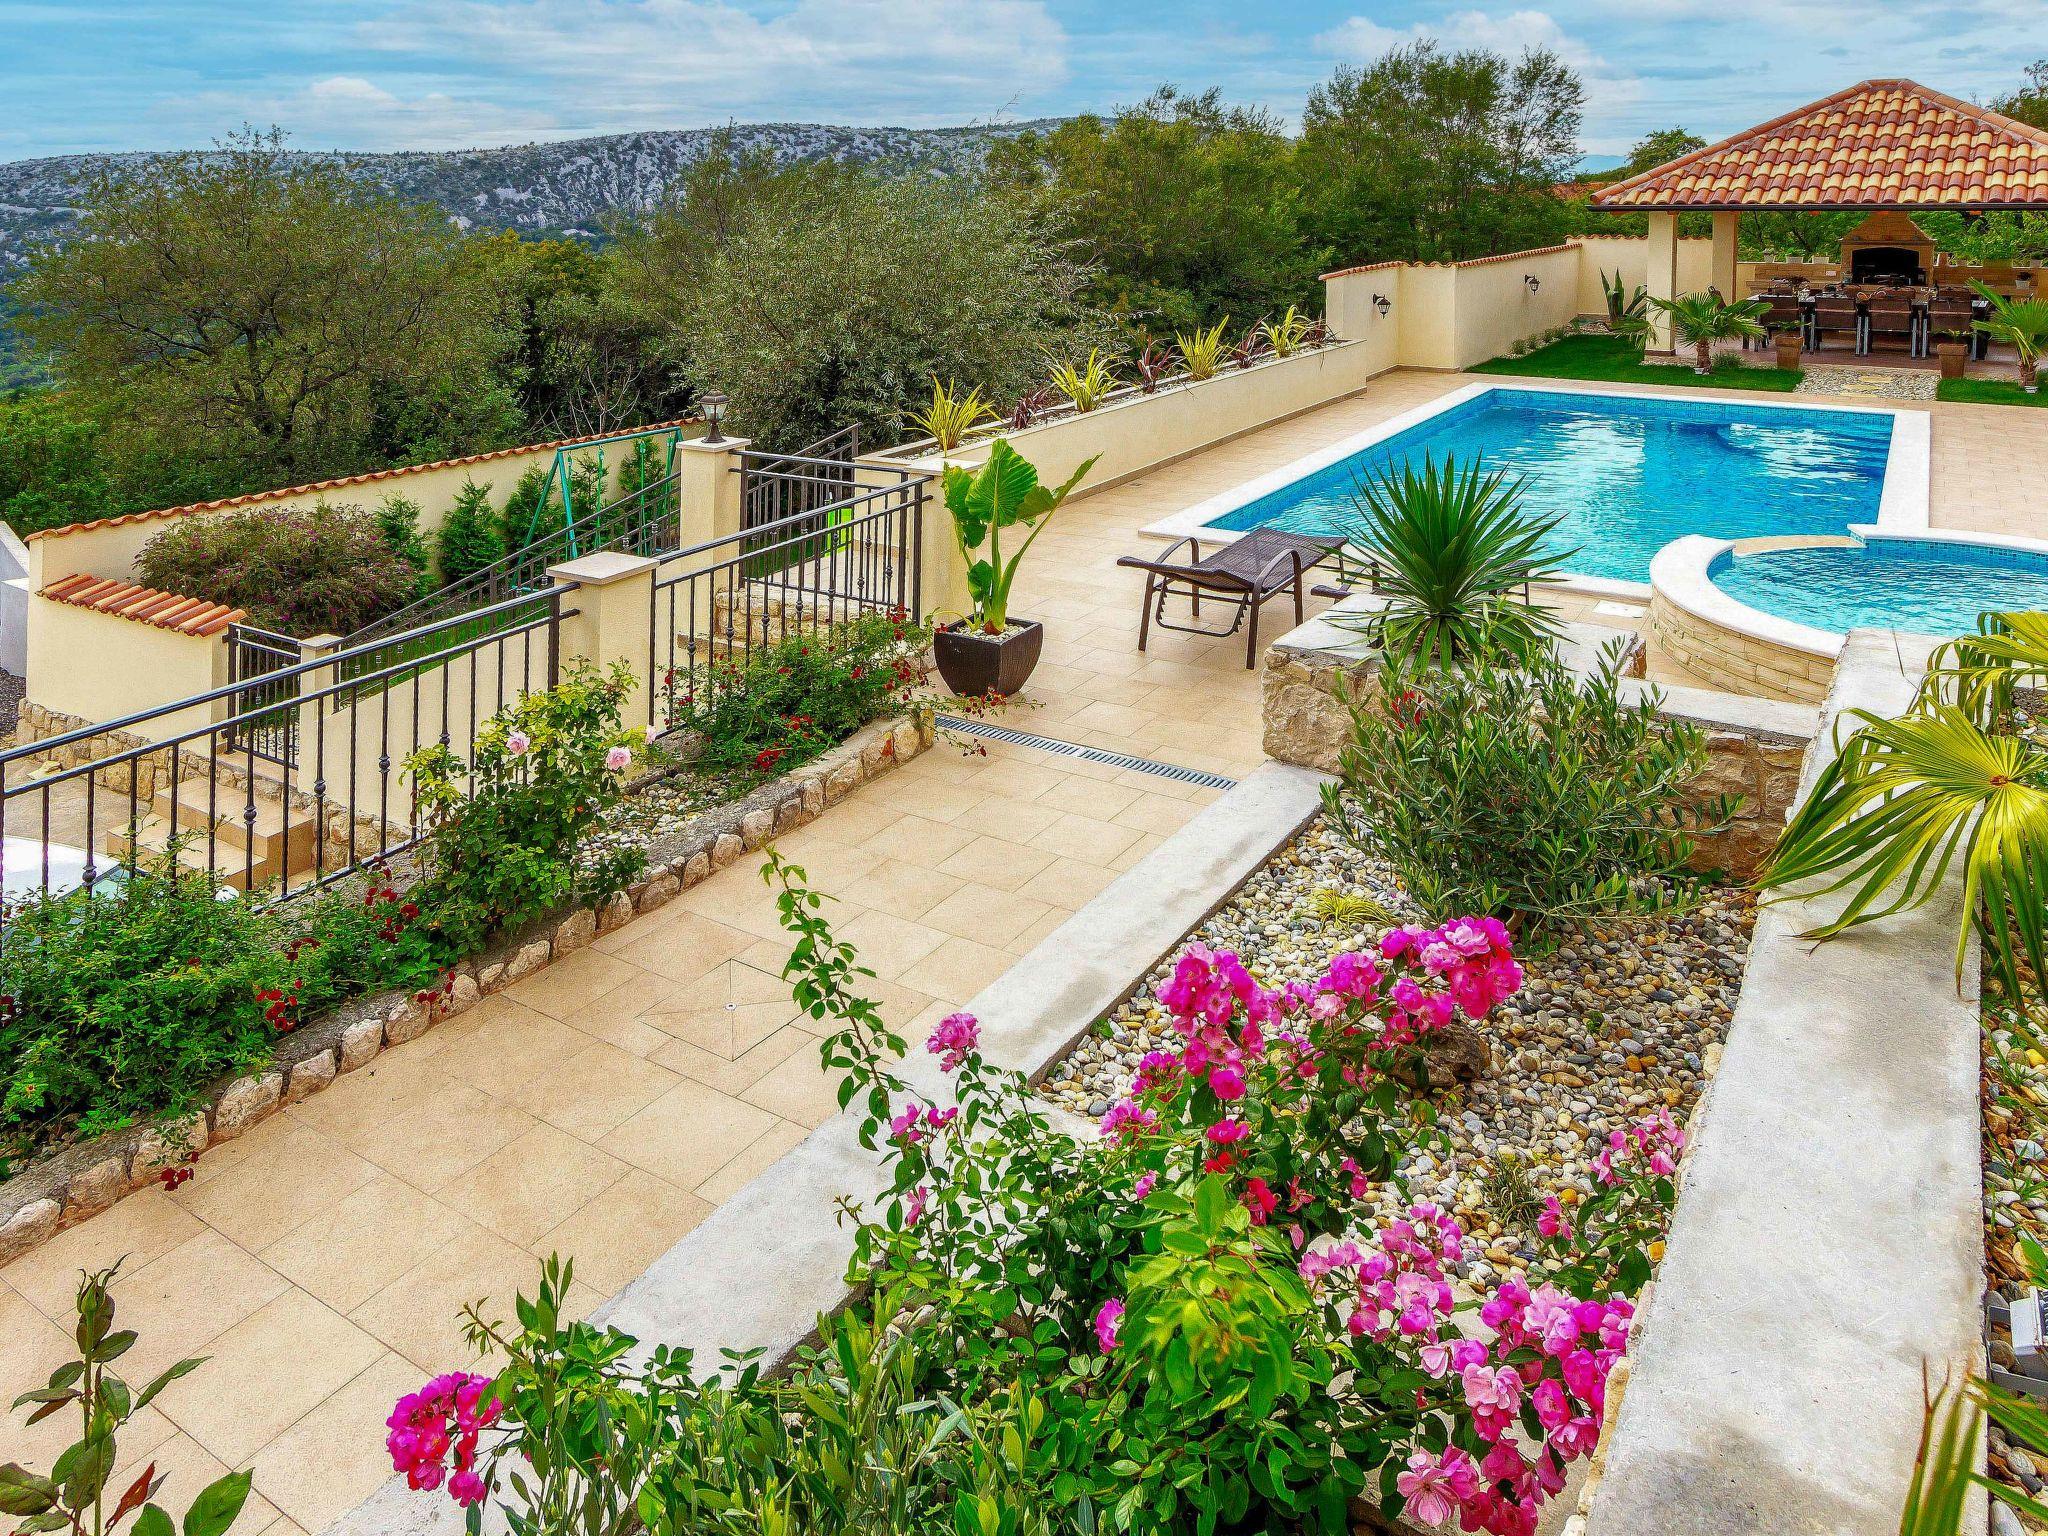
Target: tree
2029	103
52	468
823	295
263	315
1698	320
1186	208
1434	156
470	536
1659	147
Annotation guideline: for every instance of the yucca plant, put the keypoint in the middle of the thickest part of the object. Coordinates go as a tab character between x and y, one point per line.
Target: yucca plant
2021	324
1287	335
952	415
1454	546
1086	385
1627	313
1202	351
1698	320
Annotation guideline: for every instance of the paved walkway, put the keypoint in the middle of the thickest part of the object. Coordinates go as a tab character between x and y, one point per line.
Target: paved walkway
604	1106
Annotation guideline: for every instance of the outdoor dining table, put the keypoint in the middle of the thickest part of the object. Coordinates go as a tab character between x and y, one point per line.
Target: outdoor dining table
1921	343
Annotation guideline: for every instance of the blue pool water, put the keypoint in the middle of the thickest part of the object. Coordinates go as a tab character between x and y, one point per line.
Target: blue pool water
1626	474
1922	585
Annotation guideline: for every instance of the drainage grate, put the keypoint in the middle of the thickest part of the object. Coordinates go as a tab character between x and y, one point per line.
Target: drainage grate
1090	754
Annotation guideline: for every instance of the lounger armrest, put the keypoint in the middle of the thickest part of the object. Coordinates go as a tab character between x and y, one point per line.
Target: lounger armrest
1154	562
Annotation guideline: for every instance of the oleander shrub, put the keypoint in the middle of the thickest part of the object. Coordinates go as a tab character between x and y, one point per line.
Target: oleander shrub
1513	786
301	571
800	696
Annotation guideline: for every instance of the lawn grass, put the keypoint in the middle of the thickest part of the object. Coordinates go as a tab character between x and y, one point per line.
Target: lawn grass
1987	392
1611	360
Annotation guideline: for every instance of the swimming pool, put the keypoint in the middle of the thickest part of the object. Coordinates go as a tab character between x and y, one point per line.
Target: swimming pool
1927	586
1623	474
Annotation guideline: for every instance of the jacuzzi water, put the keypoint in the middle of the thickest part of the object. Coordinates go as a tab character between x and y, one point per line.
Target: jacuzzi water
1624	474
1923	585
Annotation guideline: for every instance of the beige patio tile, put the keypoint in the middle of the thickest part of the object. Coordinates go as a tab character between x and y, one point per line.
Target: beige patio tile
419	1314
920	840
1155	813
760	1155
687	1134
727	1011
300	1171
926	795
573	983
681	947
618	1233
889	946
997	862
136	1230
959	968
265	1373
437	1137
735	1075
186	1467
334	1458
534	1185
157	1301
501	1045
351	1251
384	1088
31	1347
738	899
1086	839
615	1017
1014	821
895	888
797	1089
986	914
594	1090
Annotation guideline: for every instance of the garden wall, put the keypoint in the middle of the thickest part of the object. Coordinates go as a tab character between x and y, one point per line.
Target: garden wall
1754	746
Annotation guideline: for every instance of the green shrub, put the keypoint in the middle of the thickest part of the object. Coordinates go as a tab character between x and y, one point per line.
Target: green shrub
508	826
52	464
300	571
471	535
794	699
398	519
1520	789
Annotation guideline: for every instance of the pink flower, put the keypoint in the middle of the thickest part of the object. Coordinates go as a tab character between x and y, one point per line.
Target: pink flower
1224	1132
1490	1390
1127	1120
517	743
1435	1486
1260	1200
1227	1083
1553	1222
1107	1321
619	759
1145	1185
913	1211
906	1125
443	1417
956	1037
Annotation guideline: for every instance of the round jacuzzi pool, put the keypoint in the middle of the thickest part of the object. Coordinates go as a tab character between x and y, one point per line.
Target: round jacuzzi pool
1927	586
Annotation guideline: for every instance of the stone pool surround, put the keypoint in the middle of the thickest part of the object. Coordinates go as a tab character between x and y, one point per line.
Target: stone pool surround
1903	503
1754	746
80	1181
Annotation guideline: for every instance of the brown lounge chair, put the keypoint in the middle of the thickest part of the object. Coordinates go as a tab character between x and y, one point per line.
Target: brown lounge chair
1245	573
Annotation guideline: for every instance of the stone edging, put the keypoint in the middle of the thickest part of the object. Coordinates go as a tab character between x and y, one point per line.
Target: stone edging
82	1180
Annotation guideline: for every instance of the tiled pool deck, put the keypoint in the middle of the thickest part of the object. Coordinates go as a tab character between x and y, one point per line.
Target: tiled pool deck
602	1107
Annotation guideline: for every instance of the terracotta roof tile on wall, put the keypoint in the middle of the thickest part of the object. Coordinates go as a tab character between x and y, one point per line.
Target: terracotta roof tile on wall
255	497
1880	144
145	605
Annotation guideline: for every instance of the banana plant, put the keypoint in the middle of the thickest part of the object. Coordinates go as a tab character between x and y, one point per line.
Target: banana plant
1003	493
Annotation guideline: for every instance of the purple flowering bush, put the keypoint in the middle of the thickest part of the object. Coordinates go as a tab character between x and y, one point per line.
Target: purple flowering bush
1190	1322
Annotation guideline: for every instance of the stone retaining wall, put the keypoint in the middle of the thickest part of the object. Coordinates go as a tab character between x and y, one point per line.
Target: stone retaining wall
1742	663
151	771
83	1180
1754	746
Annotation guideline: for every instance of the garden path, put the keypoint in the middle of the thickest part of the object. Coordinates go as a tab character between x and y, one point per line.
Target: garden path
604	1106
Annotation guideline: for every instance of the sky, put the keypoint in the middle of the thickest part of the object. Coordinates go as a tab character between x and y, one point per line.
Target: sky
92	75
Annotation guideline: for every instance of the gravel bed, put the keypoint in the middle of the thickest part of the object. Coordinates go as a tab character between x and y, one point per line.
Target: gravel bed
1622	1018
2015	1099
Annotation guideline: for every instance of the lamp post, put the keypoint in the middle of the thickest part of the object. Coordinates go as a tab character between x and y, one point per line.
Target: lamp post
714	411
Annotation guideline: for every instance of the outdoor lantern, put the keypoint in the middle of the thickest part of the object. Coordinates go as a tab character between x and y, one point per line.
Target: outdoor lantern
1533	284
1382	303
714	411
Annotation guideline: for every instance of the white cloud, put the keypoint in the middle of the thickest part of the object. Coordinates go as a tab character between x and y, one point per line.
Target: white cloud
614	63
351	112
1361	39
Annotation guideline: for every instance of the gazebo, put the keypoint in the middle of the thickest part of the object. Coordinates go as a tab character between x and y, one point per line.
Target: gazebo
1883	146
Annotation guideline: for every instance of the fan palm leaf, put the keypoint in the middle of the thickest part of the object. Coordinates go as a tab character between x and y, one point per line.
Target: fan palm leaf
1901	802
1454	546
1698	320
1980	671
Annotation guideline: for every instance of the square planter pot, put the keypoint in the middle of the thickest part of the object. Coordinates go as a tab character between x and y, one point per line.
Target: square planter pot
975	665
1952	355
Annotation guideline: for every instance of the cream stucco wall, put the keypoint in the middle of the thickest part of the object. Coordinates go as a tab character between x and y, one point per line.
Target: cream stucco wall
100	667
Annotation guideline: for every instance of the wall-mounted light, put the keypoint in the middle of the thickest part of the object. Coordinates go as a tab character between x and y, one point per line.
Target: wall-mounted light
714	411
1530	282
1382	303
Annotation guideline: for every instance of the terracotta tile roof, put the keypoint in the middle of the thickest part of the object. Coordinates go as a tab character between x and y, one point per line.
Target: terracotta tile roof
145	605
1880	144
254	498
1474	261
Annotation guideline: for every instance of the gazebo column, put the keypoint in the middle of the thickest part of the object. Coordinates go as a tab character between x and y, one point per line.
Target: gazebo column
1662	281
1724	254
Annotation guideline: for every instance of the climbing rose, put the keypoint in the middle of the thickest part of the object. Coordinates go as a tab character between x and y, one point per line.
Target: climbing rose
619	759
1107	1321
517	743
954	1040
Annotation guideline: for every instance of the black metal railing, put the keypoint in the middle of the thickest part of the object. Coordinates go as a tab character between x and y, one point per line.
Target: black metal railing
188	780
715	605
268	701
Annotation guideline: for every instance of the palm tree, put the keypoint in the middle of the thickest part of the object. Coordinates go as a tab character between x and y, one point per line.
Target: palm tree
1698	320
2021	324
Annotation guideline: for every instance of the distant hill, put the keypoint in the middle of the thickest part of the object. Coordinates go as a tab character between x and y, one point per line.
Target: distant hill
566	187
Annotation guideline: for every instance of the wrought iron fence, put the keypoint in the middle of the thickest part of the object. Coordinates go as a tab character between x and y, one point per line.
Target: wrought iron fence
715	605
193	780
269	702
